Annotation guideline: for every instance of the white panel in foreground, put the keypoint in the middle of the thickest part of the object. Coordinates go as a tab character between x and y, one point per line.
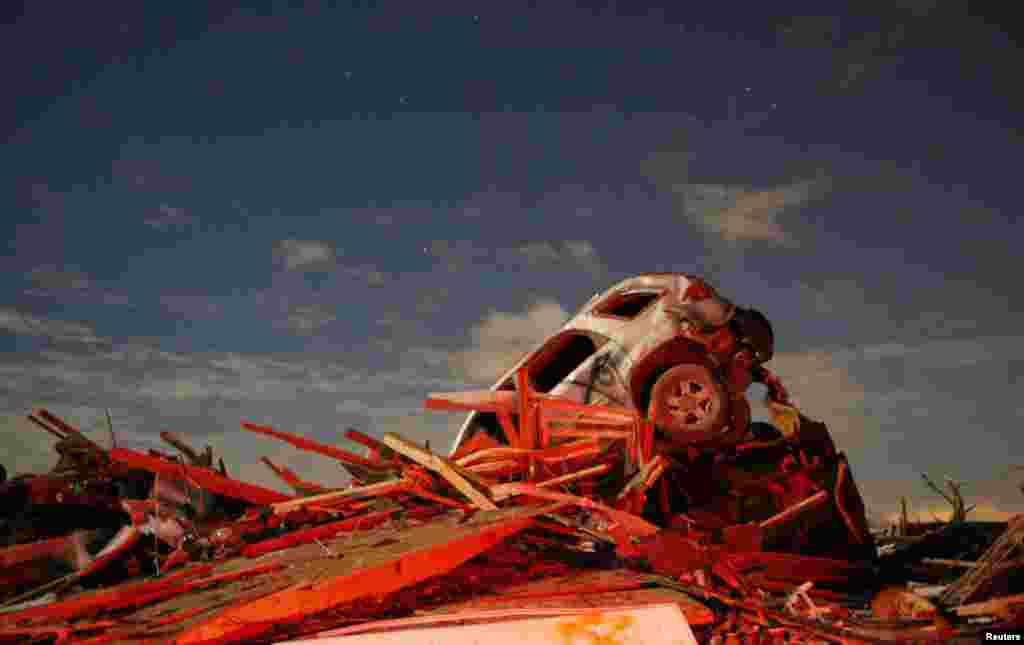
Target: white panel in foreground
662	624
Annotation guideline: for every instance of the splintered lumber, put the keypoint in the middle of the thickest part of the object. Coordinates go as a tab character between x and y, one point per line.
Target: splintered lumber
504	491
477	442
633	524
473	400
551	455
373	490
202	477
1007	546
796	511
442	467
418	554
378	449
62	425
645	477
315	446
42	425
289	477
53	421
95	602
306	536
205	460
1003	606
501	402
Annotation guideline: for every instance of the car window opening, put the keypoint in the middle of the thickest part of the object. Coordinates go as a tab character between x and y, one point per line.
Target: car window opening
626	305
558	360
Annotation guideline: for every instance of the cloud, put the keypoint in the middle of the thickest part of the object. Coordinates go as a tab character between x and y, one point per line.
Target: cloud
578	253
304	255
367	273
458	254
501	339
941	354
14	321
192	305
169	217
432	302
52	277
204	396
824	390
63	283
741	214
306	320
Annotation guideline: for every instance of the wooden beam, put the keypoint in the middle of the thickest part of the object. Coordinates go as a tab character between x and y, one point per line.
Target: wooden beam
202	477
257	619
42	425
451	473
373	490
796	510
472	401
996	607
633	524
315	446
504	491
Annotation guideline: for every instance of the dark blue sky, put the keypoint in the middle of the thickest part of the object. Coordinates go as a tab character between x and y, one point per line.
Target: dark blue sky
312	214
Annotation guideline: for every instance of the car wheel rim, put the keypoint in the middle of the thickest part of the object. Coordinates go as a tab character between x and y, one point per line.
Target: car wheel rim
690	402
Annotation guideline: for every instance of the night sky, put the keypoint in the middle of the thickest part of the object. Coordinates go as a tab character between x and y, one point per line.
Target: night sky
311	215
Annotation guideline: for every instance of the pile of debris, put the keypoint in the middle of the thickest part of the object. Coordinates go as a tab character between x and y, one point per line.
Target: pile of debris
554	516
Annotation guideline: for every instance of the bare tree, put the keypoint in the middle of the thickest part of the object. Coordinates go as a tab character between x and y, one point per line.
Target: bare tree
953	496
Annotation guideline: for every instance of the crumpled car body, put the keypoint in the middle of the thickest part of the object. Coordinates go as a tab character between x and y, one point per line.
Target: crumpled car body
618	346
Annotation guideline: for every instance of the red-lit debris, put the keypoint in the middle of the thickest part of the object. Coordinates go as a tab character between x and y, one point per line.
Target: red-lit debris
554	501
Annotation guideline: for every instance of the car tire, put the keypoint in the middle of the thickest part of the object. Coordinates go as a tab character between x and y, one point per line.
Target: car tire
689	404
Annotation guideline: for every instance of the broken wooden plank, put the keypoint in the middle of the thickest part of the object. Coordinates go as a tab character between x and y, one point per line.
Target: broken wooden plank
478	441
194	458
553	454
63	426
202	477
796	511
49	429
502	492
442	467
645	477
497	468
94	602
306	536
1002	606
315	446
524	406
1006	547
472	401
373	490
633	524
435	553
289	477
378	451
569	433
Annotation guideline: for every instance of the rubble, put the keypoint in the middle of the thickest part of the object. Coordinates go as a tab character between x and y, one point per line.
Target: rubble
567	505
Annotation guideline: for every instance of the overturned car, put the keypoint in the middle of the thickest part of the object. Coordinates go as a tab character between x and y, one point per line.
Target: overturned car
671	348
666	344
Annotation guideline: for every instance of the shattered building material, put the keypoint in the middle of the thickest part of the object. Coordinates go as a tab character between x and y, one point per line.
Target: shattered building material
997	572
614	471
